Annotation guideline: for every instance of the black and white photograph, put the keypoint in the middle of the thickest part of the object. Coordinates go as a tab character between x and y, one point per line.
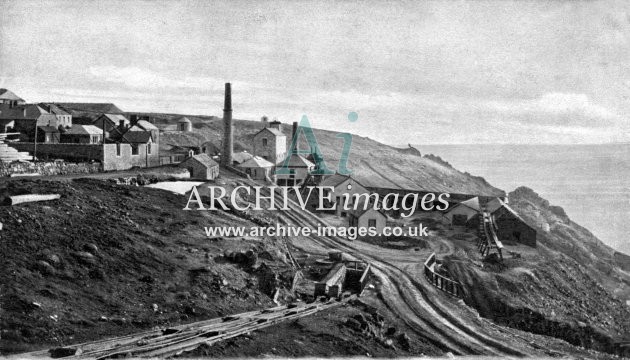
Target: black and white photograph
191	179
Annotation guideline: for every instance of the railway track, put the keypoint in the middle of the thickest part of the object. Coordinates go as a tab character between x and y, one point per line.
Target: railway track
408	298
183	338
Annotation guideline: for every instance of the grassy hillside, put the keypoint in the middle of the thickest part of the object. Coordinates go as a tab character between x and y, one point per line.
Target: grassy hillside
372	163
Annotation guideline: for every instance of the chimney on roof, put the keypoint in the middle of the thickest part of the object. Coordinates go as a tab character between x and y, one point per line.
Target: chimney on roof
275	124
133	118
121	124
228	150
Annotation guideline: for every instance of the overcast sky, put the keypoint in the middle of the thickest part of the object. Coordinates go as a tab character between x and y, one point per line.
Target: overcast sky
415	72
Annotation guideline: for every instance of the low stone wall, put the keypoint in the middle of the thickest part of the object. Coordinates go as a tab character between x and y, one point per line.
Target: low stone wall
48	168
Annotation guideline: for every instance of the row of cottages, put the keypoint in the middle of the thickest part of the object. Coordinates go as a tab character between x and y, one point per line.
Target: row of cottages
509	226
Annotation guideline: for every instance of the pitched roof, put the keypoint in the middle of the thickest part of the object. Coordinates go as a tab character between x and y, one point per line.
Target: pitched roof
360	211
92	107
54	109
204	159
472	203
241	157
115	118
84	130
273	131
256	162
297	161
135	137
146	125
6	94
17	112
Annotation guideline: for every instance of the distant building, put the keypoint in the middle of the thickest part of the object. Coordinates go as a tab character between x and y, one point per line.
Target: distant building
48	135
201	167
257	167
299	169
369	218
240	157
83	134
184	124
25	119
7	97
465	213
340	184
509	225
270	143
110	122
64	117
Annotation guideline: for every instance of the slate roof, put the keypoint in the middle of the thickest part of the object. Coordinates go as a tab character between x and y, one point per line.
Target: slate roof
470	203
107	108
6	94
84	130
136	137
49	129
146	125
273	131
297	161
115	118
204	160
256	162
241	157
54	109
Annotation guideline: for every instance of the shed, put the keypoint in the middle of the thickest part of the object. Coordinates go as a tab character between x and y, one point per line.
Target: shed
201	166
466	213
368	218
509	225
240	157
340	183
83	134
257	167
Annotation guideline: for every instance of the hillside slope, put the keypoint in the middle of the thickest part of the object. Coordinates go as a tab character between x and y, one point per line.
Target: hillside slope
569	287
372	163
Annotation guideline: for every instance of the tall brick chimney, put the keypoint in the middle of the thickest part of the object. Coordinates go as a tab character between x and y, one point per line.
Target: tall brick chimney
293	131
228	149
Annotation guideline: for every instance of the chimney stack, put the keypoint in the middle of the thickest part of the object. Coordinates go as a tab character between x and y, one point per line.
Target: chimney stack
121	124
226	157
293	132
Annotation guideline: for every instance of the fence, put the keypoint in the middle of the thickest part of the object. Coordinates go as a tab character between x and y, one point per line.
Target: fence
443	283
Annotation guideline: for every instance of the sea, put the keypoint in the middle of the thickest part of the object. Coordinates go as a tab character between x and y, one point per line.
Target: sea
591	182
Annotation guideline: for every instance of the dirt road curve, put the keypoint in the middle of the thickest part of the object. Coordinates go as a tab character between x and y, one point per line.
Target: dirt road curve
451	326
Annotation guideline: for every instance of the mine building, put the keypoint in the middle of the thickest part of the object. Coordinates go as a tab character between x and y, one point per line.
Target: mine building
340	183
257	168
201	167
270	143
509	226
368	218
465	213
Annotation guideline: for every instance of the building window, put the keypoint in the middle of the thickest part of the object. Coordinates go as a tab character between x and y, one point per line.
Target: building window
149	148
118	149
372	223
264	141
134	149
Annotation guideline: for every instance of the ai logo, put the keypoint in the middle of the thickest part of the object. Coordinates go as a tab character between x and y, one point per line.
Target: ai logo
322	169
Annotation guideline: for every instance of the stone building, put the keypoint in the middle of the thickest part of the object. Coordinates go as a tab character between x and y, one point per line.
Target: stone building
270	143
201	166
465	213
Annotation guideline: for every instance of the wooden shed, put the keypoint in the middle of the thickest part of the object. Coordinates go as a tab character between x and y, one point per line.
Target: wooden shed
466	213
509	226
